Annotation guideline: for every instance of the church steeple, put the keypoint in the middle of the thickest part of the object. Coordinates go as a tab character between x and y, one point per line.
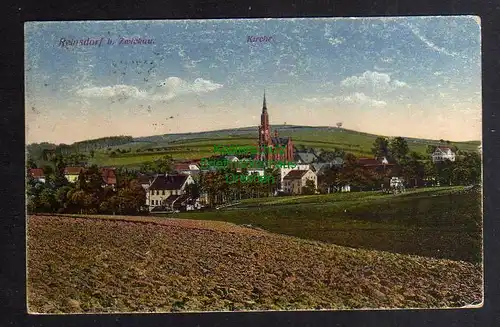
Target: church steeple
264	107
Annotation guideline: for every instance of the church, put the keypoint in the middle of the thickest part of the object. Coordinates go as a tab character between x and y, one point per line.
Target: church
272	147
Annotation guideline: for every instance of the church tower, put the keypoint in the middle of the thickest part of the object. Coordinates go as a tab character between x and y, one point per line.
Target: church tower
265	134
264	130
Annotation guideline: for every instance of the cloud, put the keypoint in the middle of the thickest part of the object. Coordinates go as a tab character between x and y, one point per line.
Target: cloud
356	98
360	99
430	44
374	80
318	100
166	90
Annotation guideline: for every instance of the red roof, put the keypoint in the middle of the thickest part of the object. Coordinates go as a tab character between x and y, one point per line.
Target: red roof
368	162
108	175
73	170
182	166
36	172
295	174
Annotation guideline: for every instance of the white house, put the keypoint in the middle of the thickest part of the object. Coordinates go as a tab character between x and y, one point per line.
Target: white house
37	174
164	186
442	154
284	171
295	180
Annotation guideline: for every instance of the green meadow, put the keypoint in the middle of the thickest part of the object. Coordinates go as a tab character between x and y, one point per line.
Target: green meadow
440	222
199	145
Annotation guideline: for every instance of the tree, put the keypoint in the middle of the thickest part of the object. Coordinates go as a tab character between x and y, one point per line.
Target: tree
92	153
30	162
380	147
77	199
339	124
412	170
164	164
93	179
47	200
62	197
430	149
399	148
193	190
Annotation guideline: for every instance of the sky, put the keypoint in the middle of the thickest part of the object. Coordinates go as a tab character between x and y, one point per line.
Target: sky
409	76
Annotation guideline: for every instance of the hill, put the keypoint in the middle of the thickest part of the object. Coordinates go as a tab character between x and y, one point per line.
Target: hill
200	144
158	265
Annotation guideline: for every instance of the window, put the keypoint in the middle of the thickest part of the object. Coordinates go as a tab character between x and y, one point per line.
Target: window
163	192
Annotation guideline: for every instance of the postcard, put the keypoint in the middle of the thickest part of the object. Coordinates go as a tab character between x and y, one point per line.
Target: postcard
253	165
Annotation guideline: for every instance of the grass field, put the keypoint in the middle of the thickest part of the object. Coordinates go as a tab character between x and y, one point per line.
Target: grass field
199	146
134	264
438	222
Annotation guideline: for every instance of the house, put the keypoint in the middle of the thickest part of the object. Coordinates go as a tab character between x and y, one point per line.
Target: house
337	162
37	174
166	185
380	165
108	177
285	170
320	167
258	171
295	180
187	168
181	203
303	157
145	180
72	173
231	158
443	153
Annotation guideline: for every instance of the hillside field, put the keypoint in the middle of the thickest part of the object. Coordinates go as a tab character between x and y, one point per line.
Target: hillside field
199	145
134	264
444	222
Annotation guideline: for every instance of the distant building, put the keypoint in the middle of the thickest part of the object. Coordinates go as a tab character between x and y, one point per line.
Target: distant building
181	203
108	177
72	173
284	171
379	165
164	186
37	174
321	167
304	157
272	148
295	180
443	153
187	168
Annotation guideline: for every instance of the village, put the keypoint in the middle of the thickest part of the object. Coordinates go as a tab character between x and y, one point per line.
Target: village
185	185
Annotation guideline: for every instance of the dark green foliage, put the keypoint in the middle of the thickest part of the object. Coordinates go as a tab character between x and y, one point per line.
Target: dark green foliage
399	148
309	188
380	147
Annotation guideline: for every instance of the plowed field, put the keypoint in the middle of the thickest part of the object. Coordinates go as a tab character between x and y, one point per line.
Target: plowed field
104	265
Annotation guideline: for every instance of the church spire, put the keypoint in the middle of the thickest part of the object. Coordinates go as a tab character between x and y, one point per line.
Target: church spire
264	108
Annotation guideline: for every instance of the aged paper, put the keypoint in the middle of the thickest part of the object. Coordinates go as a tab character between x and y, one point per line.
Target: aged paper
253	165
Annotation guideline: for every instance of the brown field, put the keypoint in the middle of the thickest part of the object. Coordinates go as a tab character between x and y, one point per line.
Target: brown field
103	265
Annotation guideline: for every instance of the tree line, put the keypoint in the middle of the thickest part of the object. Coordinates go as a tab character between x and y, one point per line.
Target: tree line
87	195
415	169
